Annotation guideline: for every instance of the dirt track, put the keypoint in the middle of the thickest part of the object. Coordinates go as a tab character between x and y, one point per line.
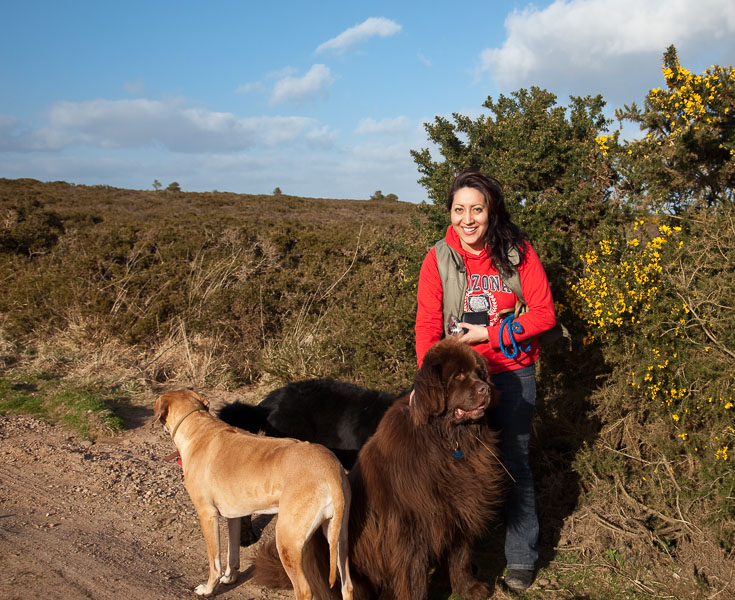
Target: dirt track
108	520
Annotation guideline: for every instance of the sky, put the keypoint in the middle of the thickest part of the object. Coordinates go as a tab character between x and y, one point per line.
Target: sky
321	98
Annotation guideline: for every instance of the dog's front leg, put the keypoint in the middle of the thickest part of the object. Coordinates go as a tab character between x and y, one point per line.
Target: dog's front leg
233	551
464	585
247	533
208	519
409	581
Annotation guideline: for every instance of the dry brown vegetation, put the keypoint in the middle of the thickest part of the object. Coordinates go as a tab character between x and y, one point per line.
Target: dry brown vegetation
214	288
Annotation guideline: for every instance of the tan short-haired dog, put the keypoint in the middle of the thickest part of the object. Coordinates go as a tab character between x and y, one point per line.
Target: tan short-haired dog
232	473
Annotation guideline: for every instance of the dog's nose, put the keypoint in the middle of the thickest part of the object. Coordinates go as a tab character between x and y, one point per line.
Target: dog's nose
482	391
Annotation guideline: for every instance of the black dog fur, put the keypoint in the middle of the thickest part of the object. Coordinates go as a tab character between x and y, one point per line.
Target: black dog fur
338	415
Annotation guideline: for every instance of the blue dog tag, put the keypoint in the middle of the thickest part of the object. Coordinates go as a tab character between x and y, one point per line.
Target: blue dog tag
457	453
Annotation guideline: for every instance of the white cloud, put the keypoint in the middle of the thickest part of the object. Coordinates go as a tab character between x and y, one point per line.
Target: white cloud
10	136
424	61
611	44
260	86
15	137
250	87
396	126
321	137
315	82
141	123
374	26
382	154
135	88
282	73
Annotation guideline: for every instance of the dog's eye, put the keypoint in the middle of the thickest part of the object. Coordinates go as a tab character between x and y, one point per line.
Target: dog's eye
460	376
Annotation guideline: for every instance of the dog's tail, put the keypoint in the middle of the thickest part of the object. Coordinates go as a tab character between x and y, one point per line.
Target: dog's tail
337	535
269	571
249	417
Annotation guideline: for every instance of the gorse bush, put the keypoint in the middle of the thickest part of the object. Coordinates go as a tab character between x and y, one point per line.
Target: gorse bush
620	281
660	304
657	299
687	155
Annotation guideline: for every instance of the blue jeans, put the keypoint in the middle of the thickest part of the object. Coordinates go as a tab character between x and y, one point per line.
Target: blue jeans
513	416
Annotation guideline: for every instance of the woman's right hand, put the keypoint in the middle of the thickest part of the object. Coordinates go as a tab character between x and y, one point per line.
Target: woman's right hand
472	334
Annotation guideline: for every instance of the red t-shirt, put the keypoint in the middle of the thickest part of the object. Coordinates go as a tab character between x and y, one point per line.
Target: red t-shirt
483	279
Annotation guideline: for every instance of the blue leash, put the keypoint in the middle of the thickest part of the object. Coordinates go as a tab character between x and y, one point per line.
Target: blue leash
511	350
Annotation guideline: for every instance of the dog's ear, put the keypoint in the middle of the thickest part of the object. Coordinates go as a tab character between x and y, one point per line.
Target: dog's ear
204	401
428	396
481	368
198	397
160	409
483	372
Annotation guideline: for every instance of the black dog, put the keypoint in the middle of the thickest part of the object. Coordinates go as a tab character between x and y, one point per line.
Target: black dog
335	414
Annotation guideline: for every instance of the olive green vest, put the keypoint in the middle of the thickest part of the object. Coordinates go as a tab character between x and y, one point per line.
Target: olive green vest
453	275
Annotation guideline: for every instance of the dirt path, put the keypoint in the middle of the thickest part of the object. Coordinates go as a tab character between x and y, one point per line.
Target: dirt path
108	520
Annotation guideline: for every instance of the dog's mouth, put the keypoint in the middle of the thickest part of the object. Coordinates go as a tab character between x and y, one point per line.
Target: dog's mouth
460	414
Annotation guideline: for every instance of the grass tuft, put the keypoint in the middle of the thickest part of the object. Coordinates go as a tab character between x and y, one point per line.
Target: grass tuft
85	412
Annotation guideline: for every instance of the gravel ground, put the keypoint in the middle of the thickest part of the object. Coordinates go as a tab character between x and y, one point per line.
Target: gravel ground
103	520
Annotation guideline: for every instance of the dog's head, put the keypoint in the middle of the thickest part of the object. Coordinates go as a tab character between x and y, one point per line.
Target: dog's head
171	406
453	383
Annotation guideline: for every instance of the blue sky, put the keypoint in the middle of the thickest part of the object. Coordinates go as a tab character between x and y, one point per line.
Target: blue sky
321	99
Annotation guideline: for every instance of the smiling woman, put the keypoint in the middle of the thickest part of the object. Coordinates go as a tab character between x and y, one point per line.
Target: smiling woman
466	269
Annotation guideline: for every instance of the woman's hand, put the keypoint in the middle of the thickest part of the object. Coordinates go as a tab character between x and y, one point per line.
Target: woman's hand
475	334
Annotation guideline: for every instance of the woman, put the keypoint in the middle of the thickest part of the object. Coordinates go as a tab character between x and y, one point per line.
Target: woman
486	247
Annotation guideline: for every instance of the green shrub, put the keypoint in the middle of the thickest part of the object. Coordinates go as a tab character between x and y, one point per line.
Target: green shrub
28	229
660	304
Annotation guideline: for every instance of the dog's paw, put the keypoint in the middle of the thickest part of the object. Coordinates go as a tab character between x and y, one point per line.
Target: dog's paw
229	578
474	591
204	590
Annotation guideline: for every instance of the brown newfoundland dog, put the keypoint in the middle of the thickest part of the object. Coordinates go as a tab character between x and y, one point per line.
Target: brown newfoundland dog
424	486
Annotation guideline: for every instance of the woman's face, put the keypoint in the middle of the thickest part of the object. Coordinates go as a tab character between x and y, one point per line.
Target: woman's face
470	217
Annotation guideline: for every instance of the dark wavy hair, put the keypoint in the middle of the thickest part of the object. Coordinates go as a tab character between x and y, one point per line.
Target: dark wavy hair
502	234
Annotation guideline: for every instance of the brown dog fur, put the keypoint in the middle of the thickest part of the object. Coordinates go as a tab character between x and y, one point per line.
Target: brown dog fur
414	505
231	473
